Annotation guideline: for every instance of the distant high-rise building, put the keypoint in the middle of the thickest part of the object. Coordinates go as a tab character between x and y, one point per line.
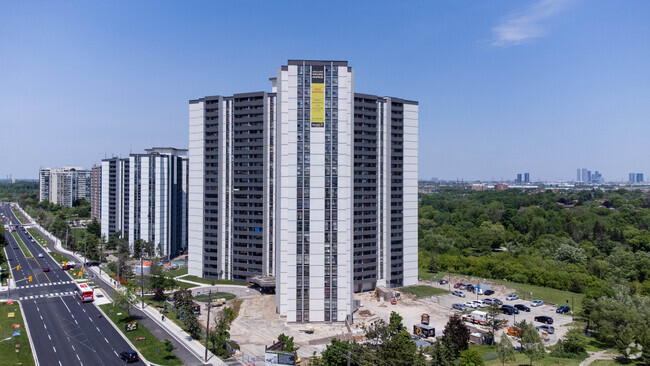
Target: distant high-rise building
144	197
585	175
639	177
96	192
518	179
631	178
63	186
526	177
578	176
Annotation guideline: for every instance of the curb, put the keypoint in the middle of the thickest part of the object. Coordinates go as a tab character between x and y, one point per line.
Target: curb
29	335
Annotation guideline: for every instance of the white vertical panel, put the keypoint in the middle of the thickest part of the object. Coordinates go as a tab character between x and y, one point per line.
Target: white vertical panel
195	189
410	184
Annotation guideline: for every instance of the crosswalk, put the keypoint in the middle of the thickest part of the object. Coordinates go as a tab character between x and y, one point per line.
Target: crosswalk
53	294
45	284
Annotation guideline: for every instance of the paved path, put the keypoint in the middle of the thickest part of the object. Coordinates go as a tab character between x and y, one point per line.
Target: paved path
600	355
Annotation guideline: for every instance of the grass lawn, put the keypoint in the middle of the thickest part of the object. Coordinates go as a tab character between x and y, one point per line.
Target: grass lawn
59	257
177	272
613	363
185	285
491	359
215	295
9	354
424	291
168	314
27	253
78	234
20	216
547	294
37	236
151	348
209	281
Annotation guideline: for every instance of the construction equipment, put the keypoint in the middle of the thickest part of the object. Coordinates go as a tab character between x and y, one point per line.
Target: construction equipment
424	319
424	330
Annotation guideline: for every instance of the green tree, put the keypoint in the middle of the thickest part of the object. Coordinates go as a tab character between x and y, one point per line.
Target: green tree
471	357
441	355
336	354
531	343
456	335
125	298
493	322
94	228
191	322
168	346
505	351
183	298
287	343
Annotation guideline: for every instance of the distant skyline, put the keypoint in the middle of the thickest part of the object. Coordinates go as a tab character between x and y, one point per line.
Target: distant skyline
504	87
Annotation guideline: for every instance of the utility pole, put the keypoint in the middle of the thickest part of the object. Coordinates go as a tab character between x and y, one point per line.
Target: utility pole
207	328
118	268
349	356
101	256
142	275
83	266
66	237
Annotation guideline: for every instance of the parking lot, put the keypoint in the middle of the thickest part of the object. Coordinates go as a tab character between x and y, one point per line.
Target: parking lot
559	320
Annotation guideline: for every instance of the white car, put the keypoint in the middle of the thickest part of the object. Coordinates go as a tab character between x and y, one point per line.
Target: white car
40	255
512	297
480	303
471	304
458	293
537	303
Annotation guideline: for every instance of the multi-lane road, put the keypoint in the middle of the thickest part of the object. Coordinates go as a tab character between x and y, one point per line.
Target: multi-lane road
64	331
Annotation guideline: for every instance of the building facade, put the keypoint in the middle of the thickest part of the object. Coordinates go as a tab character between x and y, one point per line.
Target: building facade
63	186
144	197
96	192
311	183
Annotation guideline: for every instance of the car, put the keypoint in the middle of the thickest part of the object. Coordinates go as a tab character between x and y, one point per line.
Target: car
488	292
471	304
496	301
480	303
92	264
457	285
522	307
458	293
15	247
443	282
129	356
537	303
563	309
488	301
544	319
469	287
509	309
460	307
46	269
512	297
546	328
40	255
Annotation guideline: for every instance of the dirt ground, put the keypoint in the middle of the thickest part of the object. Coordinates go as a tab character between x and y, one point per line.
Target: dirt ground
258	325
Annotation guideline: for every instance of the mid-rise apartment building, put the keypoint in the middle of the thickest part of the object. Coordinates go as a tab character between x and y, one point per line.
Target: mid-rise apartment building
63	186
144	197
311	183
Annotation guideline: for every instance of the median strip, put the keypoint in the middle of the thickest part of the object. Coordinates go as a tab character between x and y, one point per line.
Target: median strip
27	253
14	343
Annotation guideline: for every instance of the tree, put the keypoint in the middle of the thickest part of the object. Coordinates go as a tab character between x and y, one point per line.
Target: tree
94	228
191	322
125	299
219	336
287	343
531	343
505	351
493	322
183	298
336	354
441	355
471	357
456	335
168	346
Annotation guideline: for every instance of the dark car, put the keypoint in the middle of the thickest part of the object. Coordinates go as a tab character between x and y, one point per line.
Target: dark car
544	319
522	307
443	282
509	310
469	287
92	263
129	356
546	328
46	269
563	309
488	292
460	307
496	301
458	285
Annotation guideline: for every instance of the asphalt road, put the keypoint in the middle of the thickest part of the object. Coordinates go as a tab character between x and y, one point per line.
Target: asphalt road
64	330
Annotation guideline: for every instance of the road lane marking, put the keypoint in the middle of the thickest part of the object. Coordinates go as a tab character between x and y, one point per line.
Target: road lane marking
54	349
48	336
41	317
76	322
106	340
45	326
78	358
72	347
98	329
66	306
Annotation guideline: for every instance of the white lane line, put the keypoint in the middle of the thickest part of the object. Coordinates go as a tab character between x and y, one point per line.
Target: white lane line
98	329
41	317
78	358
54	349
116	353
45	326
60	363
66	306
106	340
48	336
72	347
76	322
83	309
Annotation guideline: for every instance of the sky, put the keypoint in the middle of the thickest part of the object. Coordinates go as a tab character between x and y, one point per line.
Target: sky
504	86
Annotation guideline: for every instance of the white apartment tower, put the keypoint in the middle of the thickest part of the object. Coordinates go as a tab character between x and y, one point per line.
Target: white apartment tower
62	186
312	183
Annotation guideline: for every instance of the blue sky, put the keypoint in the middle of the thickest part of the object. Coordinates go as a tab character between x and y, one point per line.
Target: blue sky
542	86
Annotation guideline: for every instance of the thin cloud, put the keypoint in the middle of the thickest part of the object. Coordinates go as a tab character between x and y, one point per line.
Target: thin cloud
525	25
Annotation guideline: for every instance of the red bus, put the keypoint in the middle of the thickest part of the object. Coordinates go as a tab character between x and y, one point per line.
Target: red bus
84	292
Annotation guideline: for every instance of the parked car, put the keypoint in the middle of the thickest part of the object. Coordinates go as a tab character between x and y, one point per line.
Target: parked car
129	356
495	300
480	303
458	285
563	309
544	319
537	303
469	287
547	328
458	293
522	307
443	282
46	269
488	292
471	304
460	307
92	263
512	297
488	301
509	309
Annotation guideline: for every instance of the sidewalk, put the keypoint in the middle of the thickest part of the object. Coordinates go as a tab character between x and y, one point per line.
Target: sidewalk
193	346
